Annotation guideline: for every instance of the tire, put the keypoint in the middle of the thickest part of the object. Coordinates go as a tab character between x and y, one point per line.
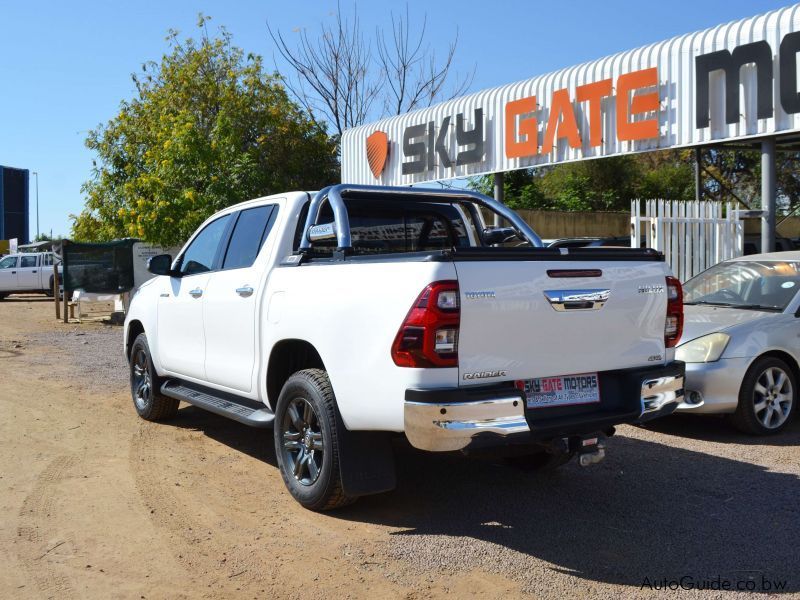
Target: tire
767	397
146	385
49	290
307	434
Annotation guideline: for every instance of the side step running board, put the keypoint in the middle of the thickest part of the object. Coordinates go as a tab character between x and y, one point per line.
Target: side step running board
243	410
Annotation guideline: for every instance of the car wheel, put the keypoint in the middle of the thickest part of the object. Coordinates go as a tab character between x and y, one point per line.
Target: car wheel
146	385
49	290
307	441
766	398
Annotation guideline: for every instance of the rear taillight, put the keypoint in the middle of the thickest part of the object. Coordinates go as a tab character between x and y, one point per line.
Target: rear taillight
428	336
673	327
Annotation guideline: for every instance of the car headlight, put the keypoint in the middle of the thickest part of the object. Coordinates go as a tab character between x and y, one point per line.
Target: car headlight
704	349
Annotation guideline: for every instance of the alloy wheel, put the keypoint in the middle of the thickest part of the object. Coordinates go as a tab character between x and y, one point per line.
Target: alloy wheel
141	383
303	447
773	397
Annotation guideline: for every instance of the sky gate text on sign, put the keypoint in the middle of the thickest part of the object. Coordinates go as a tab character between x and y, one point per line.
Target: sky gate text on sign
731	82
521	126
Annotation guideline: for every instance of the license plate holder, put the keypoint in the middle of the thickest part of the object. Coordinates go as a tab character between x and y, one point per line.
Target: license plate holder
561	390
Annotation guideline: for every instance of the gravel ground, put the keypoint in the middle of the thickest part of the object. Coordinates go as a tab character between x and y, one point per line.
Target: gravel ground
687	497
94	350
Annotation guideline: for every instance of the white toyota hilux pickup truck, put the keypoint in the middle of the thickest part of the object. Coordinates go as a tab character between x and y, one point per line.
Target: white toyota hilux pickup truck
355	315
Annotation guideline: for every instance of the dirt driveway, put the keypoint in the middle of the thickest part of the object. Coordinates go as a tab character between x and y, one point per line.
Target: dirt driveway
95	502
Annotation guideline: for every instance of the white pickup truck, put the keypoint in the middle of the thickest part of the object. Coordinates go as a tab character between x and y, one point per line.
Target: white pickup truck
27	272
346	318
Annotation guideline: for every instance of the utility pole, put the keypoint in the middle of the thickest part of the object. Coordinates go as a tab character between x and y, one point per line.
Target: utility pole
499	194
35	174
768	185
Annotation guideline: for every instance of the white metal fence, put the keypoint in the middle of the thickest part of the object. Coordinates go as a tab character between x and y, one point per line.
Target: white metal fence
692	235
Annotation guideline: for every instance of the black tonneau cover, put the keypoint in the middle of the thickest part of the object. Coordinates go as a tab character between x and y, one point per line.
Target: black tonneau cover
552	254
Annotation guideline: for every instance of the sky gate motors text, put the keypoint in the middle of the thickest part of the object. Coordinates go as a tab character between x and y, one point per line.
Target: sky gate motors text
637	104
629	104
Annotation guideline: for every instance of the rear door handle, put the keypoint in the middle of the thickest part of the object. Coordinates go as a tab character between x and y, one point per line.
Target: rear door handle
244	291
196	293
563	300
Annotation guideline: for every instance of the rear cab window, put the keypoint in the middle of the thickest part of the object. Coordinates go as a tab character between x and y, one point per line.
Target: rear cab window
381	227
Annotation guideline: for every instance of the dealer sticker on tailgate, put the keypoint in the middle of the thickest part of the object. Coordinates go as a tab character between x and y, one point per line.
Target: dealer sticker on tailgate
562	390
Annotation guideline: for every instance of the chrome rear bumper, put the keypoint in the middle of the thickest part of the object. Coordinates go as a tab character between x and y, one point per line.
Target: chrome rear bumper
452	419
453	425
660	392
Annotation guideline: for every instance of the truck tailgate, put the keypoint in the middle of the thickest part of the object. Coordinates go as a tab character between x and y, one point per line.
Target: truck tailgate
522	319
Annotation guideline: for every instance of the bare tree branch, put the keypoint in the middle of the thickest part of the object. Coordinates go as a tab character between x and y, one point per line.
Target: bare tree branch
339	75
331	73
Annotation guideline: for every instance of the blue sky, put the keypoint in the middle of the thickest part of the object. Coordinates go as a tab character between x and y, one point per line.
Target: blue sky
66	65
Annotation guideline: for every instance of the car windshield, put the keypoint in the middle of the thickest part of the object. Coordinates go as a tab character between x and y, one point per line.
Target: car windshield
767	285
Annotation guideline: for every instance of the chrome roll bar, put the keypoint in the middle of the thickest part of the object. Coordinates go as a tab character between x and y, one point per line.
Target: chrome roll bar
334	193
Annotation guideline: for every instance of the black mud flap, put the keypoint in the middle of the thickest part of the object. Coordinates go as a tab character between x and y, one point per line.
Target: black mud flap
366	461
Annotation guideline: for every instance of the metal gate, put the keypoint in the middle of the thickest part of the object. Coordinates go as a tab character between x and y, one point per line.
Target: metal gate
692	235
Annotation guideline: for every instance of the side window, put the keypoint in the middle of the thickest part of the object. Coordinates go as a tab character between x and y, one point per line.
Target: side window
47	259
27	261
249	234
9	262
199	256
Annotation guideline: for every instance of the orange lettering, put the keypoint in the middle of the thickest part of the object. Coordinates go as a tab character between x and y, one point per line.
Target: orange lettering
528	143
593	93
561	106
641	103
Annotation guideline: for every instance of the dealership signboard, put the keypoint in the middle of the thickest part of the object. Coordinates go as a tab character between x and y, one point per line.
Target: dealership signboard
731	82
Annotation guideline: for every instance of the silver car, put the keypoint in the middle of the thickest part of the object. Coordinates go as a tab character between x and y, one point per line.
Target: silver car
741	341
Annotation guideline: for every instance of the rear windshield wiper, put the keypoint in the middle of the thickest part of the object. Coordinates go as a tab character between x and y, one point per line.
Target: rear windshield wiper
709	303
729	305
757	307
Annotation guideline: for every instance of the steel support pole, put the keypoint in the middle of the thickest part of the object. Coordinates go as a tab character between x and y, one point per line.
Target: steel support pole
768	195
499	194
698	181
37	207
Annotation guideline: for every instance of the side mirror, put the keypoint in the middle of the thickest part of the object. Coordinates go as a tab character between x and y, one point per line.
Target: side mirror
161	264
498	235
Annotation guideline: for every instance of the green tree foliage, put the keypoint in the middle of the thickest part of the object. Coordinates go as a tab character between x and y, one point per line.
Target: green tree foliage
728	175
207	128
601	184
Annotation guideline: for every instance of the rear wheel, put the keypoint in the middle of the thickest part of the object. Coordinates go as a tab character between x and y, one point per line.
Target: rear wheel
766	398
146	385
307	441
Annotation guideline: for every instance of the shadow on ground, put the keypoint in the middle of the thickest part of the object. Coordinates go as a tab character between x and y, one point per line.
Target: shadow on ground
27	299
650	510
719	429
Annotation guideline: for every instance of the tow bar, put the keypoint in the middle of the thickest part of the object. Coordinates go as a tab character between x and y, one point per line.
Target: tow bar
591	450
